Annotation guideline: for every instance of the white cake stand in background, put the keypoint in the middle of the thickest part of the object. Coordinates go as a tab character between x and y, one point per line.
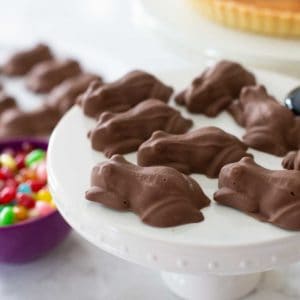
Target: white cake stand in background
219	259
185	31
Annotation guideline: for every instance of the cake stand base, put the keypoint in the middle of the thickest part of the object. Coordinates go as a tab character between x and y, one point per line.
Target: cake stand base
212	287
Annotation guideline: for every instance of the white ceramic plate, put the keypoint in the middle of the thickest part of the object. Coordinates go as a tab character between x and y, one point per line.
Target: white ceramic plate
228	241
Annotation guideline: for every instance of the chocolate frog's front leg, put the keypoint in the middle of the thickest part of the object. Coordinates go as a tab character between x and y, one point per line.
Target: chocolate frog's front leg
123	147
229	197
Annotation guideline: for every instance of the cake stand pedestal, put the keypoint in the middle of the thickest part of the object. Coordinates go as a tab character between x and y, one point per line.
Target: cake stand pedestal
221	258
213	287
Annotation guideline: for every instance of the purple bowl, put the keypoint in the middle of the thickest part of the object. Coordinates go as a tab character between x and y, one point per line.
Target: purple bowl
31	239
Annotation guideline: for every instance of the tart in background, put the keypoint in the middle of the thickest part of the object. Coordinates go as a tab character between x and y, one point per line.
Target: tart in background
270	17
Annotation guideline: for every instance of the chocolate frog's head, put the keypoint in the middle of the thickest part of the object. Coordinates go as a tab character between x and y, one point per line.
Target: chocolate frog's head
235	176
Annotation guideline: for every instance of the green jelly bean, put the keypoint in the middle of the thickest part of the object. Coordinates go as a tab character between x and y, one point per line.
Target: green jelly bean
34	157
8	204
7	216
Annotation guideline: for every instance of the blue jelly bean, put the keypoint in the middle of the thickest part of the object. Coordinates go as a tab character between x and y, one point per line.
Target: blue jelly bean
24	188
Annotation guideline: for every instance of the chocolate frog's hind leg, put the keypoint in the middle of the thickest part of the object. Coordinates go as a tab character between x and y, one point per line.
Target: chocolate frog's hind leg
229	197
123	147
107	198
264	140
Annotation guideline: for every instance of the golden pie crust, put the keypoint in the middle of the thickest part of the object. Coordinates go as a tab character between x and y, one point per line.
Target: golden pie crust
271	17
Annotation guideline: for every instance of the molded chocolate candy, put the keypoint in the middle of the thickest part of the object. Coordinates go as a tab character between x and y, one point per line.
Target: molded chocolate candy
161	196
22	62
269	196
64	96
205	151
124	132
270	127
121	95
38	122
46	75
292	161
6	101
215	88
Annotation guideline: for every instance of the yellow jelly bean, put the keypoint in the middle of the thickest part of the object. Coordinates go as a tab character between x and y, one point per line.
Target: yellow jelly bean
8	161
44	195
52	203
21	213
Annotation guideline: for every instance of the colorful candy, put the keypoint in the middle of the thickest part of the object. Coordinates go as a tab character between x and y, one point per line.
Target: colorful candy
7	216
23	185
24	188
7	194
8	161
34	157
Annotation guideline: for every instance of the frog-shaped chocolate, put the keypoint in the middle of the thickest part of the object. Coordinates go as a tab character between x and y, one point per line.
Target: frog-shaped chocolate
270	196
205	150
120	133
123	94
270	127
215	88
160	196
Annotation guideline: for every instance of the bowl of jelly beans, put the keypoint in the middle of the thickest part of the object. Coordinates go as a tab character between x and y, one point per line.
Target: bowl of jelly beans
30	225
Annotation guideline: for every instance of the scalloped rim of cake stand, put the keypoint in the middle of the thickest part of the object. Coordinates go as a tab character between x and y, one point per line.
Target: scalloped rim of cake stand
69	163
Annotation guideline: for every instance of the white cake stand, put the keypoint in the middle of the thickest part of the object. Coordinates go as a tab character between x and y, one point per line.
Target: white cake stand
219	259
181	28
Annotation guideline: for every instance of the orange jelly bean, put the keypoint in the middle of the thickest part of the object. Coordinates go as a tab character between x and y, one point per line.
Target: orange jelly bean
21	213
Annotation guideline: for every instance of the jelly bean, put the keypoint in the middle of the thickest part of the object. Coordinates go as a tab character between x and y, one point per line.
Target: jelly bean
21	213
43	195
20	160
36	185
41	172
25	200
34	156
44	208
7	194
33	213
24	188
8	161
6	173
11	182
7	216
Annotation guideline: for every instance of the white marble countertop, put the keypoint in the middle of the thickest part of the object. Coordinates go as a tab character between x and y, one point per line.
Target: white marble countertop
76	269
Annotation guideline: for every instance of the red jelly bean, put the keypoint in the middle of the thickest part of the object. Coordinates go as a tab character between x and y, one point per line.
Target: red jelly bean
25	200
6	173
36	185
20	160
7	194
11	183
